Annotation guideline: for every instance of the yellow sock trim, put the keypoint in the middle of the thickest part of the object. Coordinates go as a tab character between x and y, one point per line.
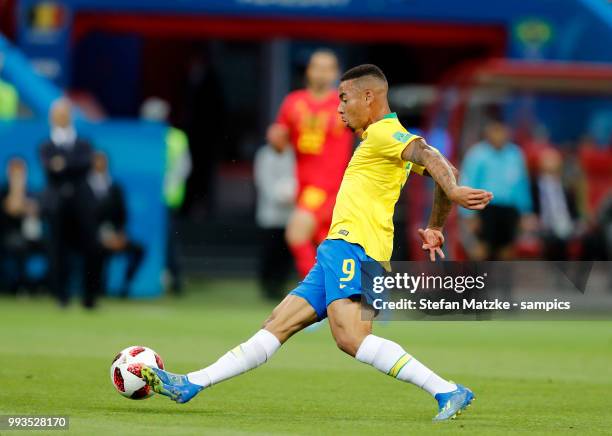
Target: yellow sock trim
393	372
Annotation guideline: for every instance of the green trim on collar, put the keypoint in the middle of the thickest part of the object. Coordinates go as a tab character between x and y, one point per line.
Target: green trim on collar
391	115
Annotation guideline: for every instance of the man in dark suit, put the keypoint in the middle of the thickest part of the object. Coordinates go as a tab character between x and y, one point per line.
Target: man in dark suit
111	219
555	206
67	204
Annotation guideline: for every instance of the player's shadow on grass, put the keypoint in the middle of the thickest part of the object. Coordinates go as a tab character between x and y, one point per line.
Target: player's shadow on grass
172	411
154	410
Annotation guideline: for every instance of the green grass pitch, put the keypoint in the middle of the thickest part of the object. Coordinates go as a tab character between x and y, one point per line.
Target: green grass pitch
529	377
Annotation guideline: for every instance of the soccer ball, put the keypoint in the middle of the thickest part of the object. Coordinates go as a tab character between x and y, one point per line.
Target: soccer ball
125	371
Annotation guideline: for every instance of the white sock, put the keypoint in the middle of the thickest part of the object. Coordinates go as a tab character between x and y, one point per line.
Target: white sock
392	359
243	358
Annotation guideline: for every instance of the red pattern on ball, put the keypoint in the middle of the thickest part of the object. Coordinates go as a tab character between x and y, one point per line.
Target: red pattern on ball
118	380
135	368
160	362
136	351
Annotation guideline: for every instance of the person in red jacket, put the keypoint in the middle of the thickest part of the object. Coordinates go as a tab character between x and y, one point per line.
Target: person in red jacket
308	120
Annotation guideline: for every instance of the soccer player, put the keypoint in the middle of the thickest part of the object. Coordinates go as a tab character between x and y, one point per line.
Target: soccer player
362	230
308	121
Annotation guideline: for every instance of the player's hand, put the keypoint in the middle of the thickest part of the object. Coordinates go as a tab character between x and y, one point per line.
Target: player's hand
57	163
529	223
433	240
470	198
277	136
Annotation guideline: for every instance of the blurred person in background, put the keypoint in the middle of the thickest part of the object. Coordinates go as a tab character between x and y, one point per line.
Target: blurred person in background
178	169
9	99
111	216
597	242
20	226
308	120
69	206
605	222
497	165
204	117
274	172
555	206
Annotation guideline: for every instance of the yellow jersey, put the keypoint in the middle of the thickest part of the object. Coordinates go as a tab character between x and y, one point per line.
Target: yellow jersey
371	185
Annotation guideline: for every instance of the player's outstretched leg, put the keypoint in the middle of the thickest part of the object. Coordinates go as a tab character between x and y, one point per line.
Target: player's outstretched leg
290	316
353	336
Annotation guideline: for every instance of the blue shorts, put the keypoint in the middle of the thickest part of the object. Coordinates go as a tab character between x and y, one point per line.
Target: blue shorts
335	275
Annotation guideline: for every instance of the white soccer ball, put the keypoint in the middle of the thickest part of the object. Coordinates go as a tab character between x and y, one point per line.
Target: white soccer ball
125	371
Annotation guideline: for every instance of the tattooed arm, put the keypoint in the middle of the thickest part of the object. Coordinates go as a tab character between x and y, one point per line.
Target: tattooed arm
440	208
444	174
446	192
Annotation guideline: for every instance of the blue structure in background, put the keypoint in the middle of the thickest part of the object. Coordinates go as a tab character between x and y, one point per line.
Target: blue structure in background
136	153
579	30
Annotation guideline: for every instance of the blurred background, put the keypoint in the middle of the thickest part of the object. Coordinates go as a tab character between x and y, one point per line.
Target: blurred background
130	132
